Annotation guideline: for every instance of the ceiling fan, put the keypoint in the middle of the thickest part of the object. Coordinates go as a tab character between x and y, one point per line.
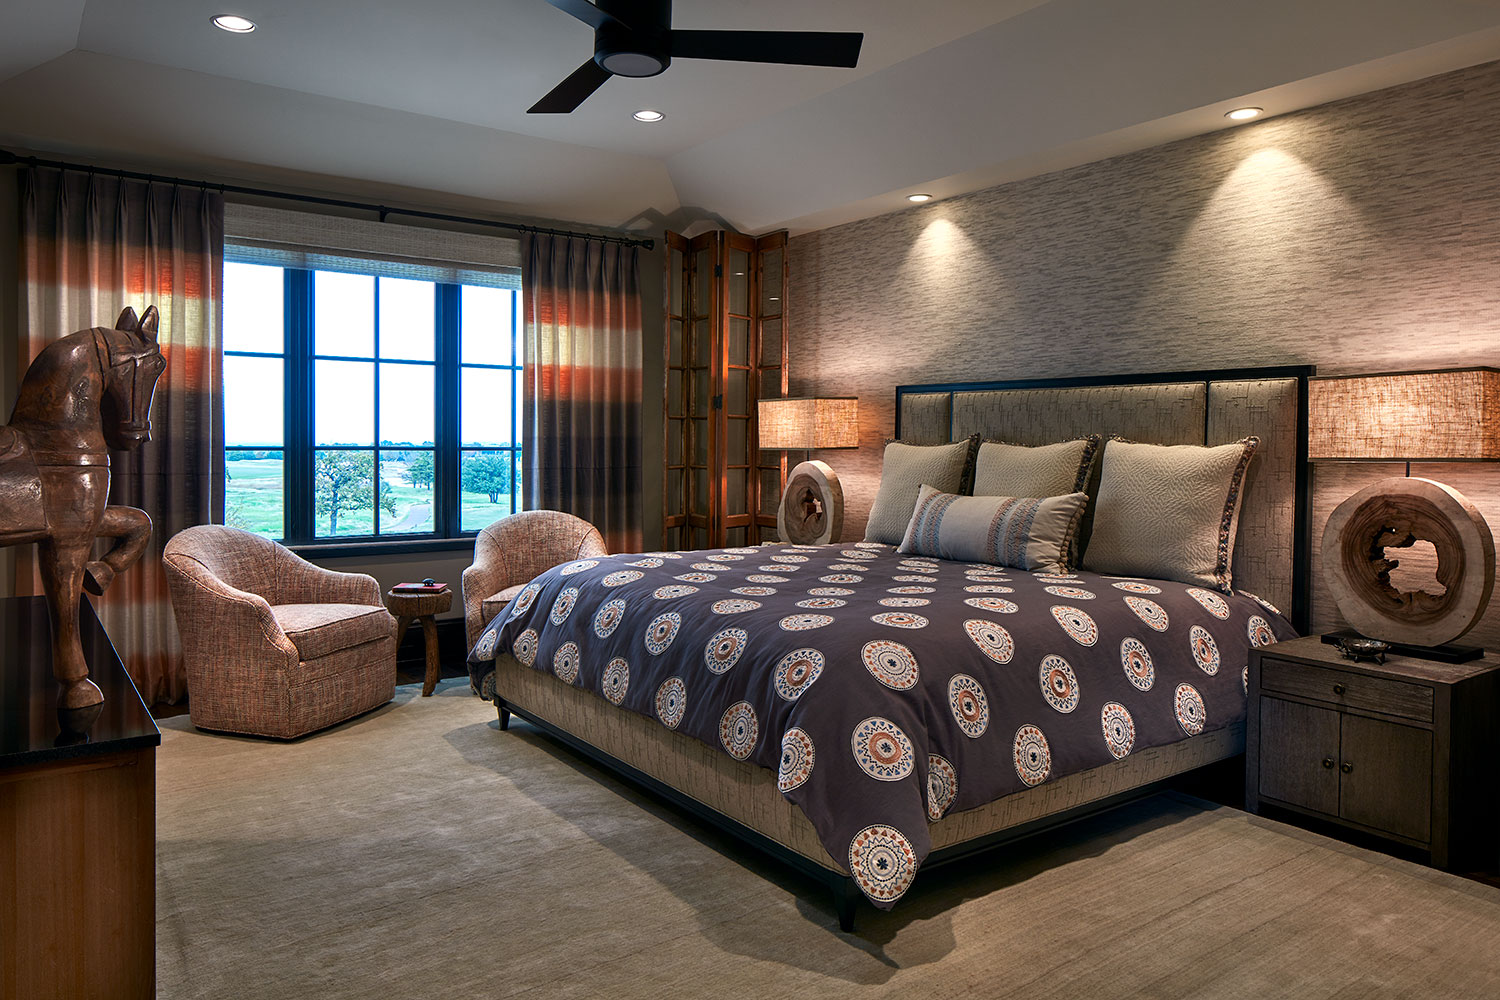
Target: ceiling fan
636	38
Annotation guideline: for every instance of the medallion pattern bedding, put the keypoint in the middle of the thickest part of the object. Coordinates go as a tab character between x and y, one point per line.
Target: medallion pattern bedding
888	690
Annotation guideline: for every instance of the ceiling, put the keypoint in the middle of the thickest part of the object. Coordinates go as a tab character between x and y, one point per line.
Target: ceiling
424	103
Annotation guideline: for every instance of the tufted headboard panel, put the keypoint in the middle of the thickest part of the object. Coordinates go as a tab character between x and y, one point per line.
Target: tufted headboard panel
1209	408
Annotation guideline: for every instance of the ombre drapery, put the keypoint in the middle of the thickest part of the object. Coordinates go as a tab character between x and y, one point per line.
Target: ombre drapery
581	398
90	246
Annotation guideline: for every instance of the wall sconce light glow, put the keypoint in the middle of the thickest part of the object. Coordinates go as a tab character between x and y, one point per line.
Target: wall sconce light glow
235	23
647	115
919	198
1243	114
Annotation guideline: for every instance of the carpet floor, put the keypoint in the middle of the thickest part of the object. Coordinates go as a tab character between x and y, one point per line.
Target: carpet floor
419	852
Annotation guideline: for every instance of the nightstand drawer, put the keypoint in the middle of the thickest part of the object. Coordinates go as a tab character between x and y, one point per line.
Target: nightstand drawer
1337	687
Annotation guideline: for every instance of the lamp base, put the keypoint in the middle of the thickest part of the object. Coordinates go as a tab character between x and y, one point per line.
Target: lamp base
1448	652
812	508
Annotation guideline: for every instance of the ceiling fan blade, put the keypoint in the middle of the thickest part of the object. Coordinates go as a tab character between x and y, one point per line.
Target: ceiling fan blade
573	91
587	13
806	48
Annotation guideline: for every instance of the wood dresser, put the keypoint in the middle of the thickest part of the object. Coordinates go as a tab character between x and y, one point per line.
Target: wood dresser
1406	750
77	823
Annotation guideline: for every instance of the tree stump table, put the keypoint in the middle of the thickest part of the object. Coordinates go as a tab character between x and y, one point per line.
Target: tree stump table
406	606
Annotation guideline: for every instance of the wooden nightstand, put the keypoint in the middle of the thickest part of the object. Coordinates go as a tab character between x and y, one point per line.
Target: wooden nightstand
1407	750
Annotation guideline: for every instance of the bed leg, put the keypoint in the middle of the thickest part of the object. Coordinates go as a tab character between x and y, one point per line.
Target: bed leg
845	898
504	714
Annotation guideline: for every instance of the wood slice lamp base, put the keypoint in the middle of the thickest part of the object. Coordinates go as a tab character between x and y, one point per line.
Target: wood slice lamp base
1395	513
812	507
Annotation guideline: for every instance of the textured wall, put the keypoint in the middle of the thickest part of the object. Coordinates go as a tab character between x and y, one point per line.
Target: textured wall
1362	235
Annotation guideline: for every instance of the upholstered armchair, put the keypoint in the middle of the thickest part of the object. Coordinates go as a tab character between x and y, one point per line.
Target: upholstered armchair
275	646
513	550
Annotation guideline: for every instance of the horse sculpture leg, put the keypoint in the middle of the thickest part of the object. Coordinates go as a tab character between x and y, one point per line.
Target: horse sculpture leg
132	526
62	578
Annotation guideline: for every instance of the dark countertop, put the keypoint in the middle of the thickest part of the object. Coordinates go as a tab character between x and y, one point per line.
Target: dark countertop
30	732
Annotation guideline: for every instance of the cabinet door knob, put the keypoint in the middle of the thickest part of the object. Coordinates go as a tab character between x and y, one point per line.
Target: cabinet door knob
1338	689
1328	762
1346	767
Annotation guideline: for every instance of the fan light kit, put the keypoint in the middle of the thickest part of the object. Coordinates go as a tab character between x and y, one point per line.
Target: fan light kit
646	115
1244	114
636	38
919	198
235	23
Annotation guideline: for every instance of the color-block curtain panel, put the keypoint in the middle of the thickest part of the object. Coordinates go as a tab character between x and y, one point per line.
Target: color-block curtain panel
90	246
581	419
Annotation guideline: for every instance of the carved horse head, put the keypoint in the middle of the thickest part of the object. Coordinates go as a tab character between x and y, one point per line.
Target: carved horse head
130	361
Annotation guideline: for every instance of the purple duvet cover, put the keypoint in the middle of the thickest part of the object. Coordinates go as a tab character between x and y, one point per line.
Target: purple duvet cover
887	690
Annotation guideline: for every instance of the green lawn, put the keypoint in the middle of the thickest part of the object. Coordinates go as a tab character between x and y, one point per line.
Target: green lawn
253	501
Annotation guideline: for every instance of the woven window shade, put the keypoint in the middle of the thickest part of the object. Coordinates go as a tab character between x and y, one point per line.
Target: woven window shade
805	424
254	234
1406	416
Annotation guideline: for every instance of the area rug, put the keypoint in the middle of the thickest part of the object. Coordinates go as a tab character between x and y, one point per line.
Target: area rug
420	852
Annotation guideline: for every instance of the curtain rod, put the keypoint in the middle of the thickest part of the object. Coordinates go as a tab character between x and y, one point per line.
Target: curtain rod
8	157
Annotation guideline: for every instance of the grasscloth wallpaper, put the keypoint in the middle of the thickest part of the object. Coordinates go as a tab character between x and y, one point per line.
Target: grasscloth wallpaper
1362	235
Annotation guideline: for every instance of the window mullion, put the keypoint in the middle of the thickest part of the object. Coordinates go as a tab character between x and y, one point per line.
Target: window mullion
300	405
446	490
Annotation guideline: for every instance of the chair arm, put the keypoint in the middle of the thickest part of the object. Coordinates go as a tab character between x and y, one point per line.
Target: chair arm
480	581
217	621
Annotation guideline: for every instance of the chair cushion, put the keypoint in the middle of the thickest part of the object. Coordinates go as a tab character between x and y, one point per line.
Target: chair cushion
320	629
495	603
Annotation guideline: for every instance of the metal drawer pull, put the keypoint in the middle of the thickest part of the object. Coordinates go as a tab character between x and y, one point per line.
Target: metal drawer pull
1346	767
1338	689
1328	762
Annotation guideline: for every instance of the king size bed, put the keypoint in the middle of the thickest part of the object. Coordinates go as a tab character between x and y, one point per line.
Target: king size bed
866	709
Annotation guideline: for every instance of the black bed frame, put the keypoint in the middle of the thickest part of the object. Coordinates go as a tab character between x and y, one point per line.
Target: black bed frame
846	893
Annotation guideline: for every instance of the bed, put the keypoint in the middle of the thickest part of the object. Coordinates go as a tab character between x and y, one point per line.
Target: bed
863	713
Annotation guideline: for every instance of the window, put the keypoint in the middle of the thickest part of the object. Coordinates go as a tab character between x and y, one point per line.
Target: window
367	406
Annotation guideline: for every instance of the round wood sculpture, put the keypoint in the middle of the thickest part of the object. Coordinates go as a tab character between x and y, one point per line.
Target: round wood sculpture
1395	513
812	508
84	394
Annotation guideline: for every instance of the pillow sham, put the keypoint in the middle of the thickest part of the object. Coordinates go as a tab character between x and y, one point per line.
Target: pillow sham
903	471
1023	532
1049	470
1169	511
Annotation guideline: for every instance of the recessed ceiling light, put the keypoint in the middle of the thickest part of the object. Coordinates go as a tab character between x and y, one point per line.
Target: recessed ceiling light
1243	114
647	115
919	197
235	23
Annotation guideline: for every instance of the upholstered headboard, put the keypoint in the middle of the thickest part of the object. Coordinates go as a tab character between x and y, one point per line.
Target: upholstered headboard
1272	549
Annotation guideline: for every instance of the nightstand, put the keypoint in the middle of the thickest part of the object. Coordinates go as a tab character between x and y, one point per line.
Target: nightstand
1407	750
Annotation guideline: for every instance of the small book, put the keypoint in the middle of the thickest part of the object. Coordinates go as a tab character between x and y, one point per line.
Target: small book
419	588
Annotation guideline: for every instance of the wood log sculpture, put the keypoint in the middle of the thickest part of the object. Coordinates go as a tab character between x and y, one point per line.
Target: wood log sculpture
84	392
812	508
1395	513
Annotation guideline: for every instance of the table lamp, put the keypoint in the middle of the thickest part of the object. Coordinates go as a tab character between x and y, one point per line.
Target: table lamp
811	511
1451	415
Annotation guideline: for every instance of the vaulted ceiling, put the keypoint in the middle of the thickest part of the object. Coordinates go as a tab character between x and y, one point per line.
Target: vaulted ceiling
425	102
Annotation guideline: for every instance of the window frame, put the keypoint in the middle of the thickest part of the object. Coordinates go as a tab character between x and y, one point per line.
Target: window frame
299	433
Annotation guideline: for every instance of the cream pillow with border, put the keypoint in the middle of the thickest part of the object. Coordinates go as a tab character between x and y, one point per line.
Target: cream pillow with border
903	471
1169	511
1049	470
1023	532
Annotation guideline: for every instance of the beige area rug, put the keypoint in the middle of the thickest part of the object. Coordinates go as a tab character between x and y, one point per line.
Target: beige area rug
420	852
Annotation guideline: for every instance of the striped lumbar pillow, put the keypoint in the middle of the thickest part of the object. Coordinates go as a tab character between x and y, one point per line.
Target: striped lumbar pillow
1023	532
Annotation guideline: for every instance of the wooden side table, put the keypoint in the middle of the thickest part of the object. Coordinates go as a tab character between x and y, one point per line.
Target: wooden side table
423	608
1403	749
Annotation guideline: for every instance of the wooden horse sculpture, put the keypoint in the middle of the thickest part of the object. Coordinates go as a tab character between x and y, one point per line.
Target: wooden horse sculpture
86	391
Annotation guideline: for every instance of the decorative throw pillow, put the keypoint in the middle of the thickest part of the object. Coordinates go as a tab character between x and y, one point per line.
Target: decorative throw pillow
1169	511
905	468
1026	533
1049	470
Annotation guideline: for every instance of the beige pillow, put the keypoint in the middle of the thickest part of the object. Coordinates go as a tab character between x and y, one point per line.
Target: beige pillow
1024	532
1049	470
905	468
1169	511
